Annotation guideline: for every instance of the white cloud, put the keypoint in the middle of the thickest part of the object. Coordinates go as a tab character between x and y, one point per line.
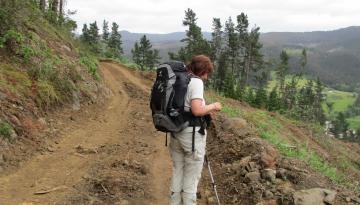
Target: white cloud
163	16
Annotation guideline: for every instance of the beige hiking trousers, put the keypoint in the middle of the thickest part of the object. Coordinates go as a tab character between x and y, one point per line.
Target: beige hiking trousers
187	165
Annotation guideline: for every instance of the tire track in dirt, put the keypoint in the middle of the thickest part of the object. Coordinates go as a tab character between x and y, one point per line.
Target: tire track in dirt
65	167
159	161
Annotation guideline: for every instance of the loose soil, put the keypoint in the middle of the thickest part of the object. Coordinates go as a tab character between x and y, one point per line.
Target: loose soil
104	154
110	153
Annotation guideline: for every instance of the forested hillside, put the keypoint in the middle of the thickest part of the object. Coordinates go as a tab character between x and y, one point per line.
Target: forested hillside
334	56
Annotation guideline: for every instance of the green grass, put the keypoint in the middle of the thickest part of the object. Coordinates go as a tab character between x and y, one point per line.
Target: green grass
15	81
5	130
342	100
303	153
272	83
354	122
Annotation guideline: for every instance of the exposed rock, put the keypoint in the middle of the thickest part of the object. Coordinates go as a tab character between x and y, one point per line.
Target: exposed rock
2	96
315	196
66	48
268	194
2	160
252	176
76	101
238	126
42	122
268	157
269	202
15	121
269	174
281	173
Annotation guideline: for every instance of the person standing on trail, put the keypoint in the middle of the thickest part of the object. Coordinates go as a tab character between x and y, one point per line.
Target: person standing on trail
187	147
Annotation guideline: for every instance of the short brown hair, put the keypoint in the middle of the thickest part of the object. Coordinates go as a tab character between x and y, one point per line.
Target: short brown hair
200	65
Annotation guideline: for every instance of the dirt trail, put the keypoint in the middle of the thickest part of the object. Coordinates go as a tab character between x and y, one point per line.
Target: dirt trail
60	170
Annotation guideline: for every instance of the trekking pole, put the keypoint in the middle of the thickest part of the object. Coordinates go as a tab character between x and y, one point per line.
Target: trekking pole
212	180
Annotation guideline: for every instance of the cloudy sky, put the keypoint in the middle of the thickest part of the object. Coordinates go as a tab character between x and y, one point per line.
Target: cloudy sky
164	16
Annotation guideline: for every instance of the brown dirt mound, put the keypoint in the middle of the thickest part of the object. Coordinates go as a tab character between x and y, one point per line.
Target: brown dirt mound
248	170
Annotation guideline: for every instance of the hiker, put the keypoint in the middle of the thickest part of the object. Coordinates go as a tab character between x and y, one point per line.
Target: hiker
187	147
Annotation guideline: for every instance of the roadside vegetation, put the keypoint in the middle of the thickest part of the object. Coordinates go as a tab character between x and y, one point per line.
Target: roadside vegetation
301	140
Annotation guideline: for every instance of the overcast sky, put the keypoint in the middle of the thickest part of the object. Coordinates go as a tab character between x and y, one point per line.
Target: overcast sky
165	16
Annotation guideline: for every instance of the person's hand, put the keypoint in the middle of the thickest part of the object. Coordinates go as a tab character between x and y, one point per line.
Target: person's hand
217	106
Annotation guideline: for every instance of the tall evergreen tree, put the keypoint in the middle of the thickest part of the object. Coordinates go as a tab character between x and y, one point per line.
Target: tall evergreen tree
195	43
61	11
232	46
253	60
282	70
42	5
216	47
105	31
273	102
136	54
260	100
114	41
94	33
340	126
319	114
143	55
303	61
221	72
85	34
217	36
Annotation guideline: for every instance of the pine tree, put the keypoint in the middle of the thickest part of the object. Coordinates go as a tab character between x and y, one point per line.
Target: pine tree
61	11
282	70
340	126
114	41
260	100
216	47
216	42
230	89
94	37
85	34
94	33
319	114
243	38
195	43
249	96
253	60
143	55
136	54
221	72
105	31
303	61
273	102
232	46
42	5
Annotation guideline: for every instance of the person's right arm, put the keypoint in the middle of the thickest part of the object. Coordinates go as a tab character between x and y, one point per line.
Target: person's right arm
199	109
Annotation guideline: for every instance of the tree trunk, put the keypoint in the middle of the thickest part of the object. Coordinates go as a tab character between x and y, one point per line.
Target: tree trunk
42	5
61	9
55	6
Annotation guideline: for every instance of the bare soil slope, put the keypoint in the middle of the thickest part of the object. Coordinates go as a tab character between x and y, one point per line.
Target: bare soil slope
103	155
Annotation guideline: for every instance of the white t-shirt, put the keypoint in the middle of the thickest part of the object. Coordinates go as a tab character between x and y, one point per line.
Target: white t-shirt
195	91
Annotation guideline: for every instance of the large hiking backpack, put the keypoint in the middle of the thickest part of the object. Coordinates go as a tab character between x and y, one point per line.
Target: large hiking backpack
168	96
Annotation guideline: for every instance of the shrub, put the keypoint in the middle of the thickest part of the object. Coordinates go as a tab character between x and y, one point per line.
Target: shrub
91	64
5	130
46	94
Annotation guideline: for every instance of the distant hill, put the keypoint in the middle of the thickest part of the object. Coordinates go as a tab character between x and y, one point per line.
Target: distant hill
334	56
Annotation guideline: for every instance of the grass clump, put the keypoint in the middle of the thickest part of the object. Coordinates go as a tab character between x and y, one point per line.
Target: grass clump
91	64
5	130
14	80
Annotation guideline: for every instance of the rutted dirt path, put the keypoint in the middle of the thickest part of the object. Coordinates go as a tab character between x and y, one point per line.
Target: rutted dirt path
119	134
